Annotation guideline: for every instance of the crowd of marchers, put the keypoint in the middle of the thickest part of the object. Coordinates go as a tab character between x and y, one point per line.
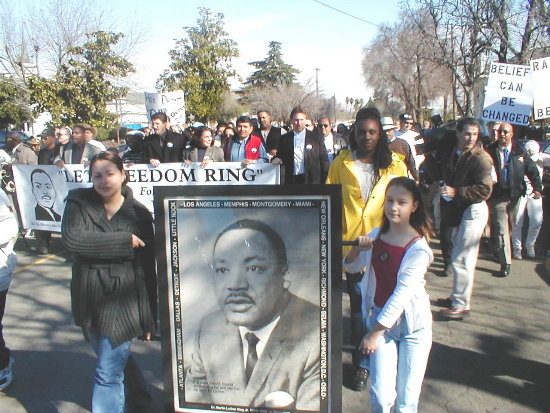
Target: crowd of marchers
401	185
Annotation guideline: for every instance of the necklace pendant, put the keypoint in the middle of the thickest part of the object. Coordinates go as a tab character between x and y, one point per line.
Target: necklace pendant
384	257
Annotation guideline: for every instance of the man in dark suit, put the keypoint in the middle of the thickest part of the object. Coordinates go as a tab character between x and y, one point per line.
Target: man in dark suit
270	134
164	146
511	168
334	142
23	154
78	151
270	356
302	153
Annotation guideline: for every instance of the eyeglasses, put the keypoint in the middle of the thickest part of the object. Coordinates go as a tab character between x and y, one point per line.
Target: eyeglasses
409	123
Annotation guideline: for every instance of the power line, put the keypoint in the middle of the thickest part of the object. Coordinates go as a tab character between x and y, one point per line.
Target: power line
347	14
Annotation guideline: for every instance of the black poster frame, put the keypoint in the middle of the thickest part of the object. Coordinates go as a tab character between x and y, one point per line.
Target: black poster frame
307	213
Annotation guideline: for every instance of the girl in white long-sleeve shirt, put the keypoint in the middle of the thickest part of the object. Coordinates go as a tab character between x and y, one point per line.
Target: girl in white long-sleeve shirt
8	261
396	307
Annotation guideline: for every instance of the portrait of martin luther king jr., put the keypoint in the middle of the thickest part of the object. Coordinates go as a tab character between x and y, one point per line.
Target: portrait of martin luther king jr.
261	348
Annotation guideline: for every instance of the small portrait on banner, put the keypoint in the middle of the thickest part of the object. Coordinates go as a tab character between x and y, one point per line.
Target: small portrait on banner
45	195
41	191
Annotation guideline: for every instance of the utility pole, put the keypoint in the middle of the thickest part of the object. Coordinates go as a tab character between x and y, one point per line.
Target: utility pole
334	106
36	50
317	82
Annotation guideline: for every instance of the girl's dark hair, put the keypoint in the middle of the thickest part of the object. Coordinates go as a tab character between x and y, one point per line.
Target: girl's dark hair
419	219
382	152
233	129
198	133
115	159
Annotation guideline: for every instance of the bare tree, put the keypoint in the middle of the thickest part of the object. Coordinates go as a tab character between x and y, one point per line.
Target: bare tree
519	30
399	65
42	35
281	99
468	34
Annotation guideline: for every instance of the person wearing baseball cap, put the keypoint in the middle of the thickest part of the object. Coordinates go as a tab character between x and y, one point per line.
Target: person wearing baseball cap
406	132
399	146
49	149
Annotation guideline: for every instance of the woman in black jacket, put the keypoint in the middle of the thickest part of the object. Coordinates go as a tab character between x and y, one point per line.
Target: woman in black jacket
113	287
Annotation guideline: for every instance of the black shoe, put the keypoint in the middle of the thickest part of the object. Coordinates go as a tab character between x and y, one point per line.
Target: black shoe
446	272
360	378
42	250
504	271
444	302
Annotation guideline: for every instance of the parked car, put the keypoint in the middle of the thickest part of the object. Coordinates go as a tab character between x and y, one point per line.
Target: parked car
3	133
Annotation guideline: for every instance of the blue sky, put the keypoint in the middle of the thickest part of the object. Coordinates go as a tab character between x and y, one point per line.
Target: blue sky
312	35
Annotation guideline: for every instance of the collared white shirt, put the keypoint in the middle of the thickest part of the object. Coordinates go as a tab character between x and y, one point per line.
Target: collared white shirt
264	134
329	145
263	335
299	155
15	149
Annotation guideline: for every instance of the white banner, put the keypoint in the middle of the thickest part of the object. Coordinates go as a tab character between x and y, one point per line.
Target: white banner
509	94
171	103
540	71
42	189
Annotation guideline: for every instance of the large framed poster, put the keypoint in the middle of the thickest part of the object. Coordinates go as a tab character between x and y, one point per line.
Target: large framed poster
250	297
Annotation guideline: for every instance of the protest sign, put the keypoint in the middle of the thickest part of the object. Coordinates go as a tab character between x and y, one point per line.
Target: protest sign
171	103
41	189
509	94
540	69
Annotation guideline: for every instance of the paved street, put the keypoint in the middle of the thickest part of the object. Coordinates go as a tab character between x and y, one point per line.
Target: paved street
496	361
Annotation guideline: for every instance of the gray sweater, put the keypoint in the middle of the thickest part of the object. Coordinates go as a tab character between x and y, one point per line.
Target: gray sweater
113	287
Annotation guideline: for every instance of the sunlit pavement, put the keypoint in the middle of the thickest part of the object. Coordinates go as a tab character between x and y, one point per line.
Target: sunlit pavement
498	360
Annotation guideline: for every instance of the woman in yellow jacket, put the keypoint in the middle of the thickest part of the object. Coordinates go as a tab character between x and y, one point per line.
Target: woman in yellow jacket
364	173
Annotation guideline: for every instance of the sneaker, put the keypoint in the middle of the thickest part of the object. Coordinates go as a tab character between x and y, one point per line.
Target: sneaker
517	254
359	380
6	375
530	251
454	313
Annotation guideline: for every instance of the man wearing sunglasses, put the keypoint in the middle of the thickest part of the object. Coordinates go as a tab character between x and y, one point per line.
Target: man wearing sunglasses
406	132
511	167
333	142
